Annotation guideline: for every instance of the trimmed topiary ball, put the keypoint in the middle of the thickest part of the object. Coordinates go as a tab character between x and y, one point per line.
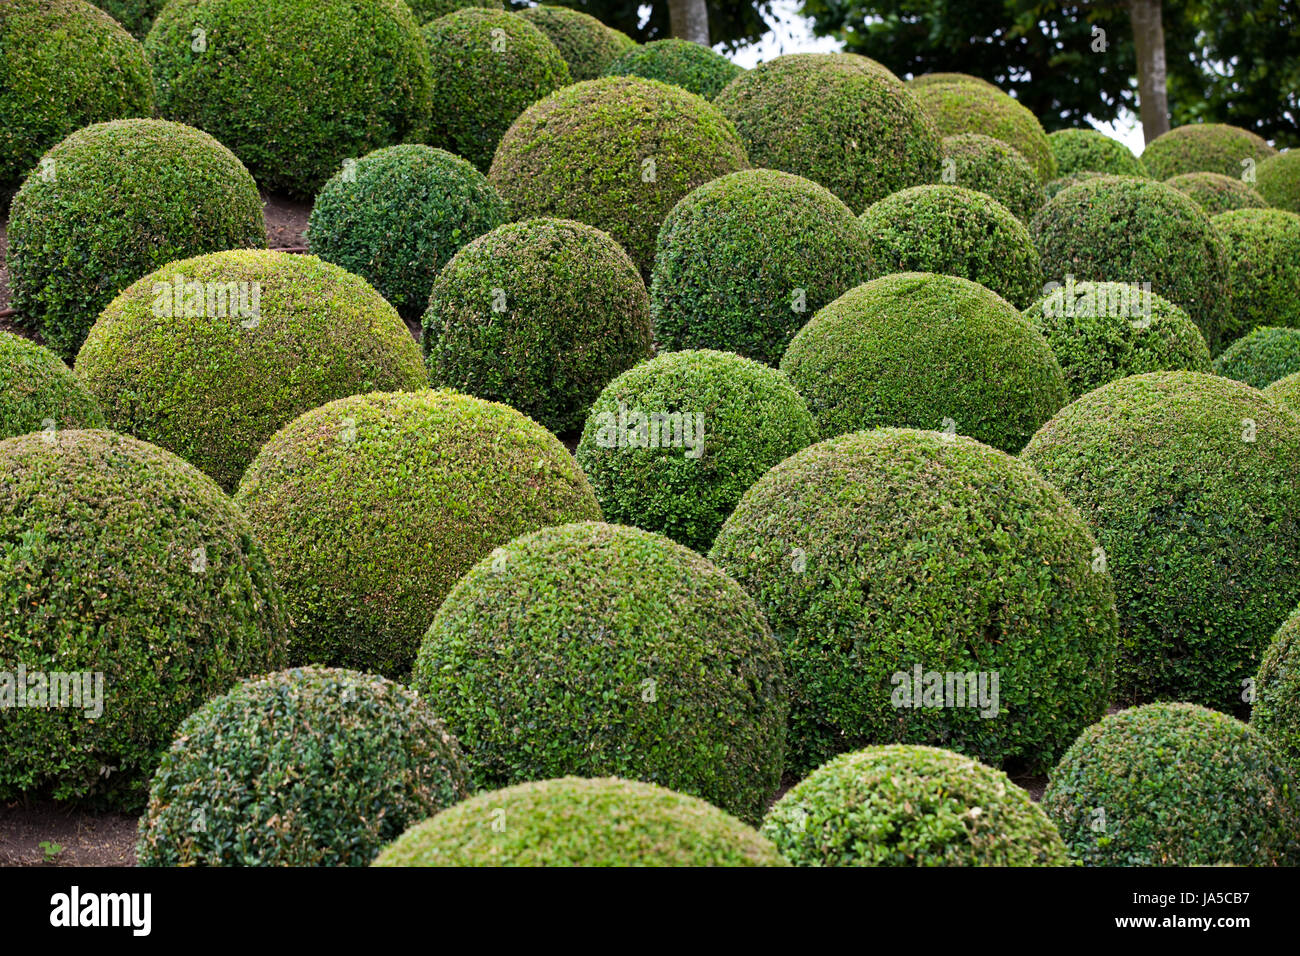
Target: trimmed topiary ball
990	166
1189	481
1286	390
577	822
943	79
595	649
209	357
1276	709
954	231
135	16
1277	179
1065	182
372	507
1261	357
969	108
1205	148
305	767
293	87
39	393
671	445
901	805
587	45
539	315
743	261
124	198
925	588
1263	251
1089	151
397	216
1217	193
426	11
1102	331
1174	785
680	63
616	153
926	351
131	591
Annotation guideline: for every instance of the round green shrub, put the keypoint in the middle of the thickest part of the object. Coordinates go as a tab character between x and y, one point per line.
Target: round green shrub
1276	709
1205	148
65	65
124	198
305	767
1217	193
901	805
1189	482
488	67
1263	253
539	315
1174	785
293	87
680	63
926	351
1261	357
129	571
954	231
373	506
1277	179
426	11
134	16
1101	331
944	79
596	649
1286	390
1065	182
1089	151
209	357
39	393
671	445
624	41
990	166
743	261
616	153
971	108
587	45
1126	229
883	558
841	120
398	215
578	822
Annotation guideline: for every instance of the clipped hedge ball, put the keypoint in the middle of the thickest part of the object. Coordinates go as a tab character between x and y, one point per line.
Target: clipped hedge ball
1263	251
970	108
625	42
1277	179
136	591
927	79
1286	390
596	649
1174	785
955	231
925	588
328	80
125	198
1089	151
1276	709
209	357
990	166
587	45
1102	331
1261	357
1205	148
397	216
672	444
1217	193
426	11
134	16
901	805
39	393
579	822
615	153
1189	482
679	63
743	261
926	351
1065	182
305	767
372	507
539	315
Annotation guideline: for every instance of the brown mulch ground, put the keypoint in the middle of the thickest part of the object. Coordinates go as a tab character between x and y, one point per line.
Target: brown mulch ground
73	838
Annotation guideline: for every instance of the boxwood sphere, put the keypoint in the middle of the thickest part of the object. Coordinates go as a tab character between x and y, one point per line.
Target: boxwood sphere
927	79
1065	182
1189	481
1087	150
1263	251
1261	357
990	166
1101	331
1286	390
305	767
841	120
879	553
1204	148
119	559
540	315
743	261
326	80
587	45
955	231
743	418
398	215
678	62
970	108
1217	193
926	351
616	153
900	805
373	506
596	649
574	821
1276	710
172	366
1174	785
39	393
426	11
1277	179
123	199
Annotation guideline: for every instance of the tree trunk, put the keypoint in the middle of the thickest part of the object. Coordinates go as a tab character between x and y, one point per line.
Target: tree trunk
689	20
1149	39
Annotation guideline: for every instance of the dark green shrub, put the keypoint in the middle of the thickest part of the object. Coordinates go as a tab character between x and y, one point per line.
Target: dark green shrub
1263	252
293	87
624	41
1189	482
587	45
1217	193
1286	390
539	315
1261	357
426	11
372	507
209	357
926	351
39	393
124	198
1065	182
881	558
744	260
596	649
310	767
1277	179
1089	151
1174	785
124	565
1205	148
901	805
135	16
990	166
971	108
1276	709
944	79
680	63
